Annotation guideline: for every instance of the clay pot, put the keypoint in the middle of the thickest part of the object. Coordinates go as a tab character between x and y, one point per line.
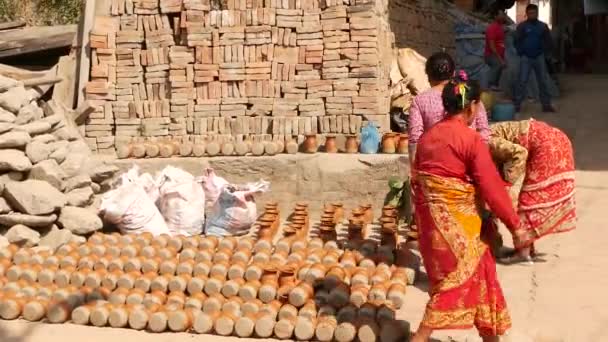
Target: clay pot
402	145
388	143
310	144
351	145
330	144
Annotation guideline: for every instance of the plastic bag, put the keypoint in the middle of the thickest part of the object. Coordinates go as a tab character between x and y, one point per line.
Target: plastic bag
145	181
235	210
131	209
182	202
370	138
213	185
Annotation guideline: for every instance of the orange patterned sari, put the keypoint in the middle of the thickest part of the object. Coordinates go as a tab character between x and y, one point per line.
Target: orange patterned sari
464	292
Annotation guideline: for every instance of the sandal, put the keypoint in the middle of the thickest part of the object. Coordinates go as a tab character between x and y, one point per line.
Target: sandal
516	259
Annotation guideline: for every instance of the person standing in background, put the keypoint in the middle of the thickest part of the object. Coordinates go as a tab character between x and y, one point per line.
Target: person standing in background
533	40
495	49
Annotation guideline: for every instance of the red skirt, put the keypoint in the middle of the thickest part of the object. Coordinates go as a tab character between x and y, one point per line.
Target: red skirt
546	201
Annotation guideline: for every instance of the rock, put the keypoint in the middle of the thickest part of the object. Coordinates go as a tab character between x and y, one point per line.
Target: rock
38	151
3	242
34	197
80	221
67	133
7	83
35	128
23	236
48	171
4	207
56	238
14	160
6	116
96	188
15	139
14	99
59	155
73	163
29	113
80	197
79	146
79	240
6	126
78	181
28	220
44	138
102	172
12	176
53	119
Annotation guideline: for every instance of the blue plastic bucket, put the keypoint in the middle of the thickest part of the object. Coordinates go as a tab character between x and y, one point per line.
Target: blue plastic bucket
503	111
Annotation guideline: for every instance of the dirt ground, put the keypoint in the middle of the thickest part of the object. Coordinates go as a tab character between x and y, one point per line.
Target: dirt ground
559	300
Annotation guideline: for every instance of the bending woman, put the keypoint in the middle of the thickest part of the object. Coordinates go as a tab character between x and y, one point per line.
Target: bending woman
451	166
541	156
427	108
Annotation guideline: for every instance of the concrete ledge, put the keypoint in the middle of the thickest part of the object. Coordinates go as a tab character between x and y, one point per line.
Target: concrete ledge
316	178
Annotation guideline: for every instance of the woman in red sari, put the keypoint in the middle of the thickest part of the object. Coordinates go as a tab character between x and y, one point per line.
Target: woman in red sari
541	156
453	165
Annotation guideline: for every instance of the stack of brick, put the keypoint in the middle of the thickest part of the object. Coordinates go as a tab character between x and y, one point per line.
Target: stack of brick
195	70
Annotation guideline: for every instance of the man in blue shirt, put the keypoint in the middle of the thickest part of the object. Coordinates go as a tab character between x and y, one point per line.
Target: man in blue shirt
533	40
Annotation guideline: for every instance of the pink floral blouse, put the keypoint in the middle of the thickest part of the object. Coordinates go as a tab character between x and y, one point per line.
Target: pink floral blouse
427	110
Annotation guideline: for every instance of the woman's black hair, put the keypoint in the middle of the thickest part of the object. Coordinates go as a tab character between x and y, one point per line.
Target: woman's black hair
440	67
459	93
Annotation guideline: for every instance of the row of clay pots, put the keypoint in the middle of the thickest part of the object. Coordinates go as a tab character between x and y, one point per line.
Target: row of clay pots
395	143
310	144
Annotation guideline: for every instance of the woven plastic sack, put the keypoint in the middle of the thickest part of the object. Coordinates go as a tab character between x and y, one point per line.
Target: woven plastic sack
235	210
182	202
132	210
145	181
213	185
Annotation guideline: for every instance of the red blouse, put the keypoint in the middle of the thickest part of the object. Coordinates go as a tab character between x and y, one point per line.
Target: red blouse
451	149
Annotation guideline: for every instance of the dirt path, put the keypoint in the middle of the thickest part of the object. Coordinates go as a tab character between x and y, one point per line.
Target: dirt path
560	300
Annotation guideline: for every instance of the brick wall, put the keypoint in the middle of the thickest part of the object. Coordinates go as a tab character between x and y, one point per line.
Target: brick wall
194	70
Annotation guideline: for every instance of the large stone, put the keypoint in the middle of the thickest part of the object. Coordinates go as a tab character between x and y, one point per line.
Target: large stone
12	176
4	207
77	239
34	197
80	197
23	236
38	151
76	182
80	221
35	128
59	155
14	160
6	116
15	139
48	171
44	138
3	242
74	163
56	238
14	99
6	126
28	220
29	113
102	172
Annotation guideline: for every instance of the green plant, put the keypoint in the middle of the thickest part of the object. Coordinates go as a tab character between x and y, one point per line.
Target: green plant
60	11
399	196
41	12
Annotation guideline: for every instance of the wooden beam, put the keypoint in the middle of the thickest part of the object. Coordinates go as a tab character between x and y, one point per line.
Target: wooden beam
11	25
84	57
35	39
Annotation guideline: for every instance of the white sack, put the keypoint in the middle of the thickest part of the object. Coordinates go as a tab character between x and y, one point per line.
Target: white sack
213	185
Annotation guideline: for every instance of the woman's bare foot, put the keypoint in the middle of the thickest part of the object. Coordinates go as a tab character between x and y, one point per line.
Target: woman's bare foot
521	256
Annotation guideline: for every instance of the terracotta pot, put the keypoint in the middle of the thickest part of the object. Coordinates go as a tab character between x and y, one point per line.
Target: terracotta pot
388	143
351	145
310	144
402	145
330	144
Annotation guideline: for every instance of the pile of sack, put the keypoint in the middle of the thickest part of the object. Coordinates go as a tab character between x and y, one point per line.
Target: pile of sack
174	202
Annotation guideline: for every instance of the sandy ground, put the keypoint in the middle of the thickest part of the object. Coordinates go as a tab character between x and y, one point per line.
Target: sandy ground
559	300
